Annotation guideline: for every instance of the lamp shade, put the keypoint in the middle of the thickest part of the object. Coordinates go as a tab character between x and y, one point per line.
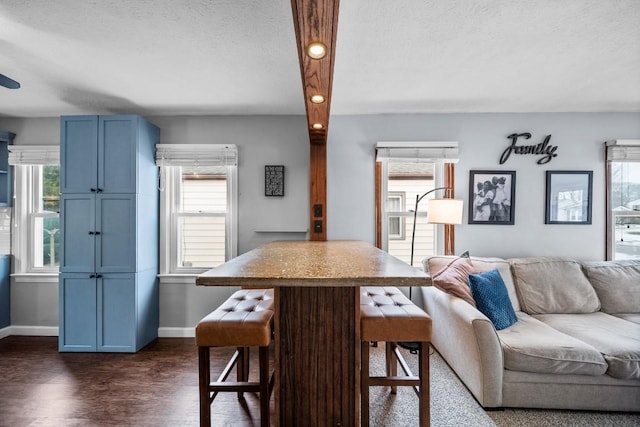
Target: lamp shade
444	211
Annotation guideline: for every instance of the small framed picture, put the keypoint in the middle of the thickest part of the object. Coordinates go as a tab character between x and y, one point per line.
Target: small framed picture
568	197
492	197
274	180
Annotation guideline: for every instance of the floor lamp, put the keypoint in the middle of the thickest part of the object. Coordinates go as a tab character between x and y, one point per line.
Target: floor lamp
441	211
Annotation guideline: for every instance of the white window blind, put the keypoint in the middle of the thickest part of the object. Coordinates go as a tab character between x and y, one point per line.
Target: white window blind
623	150
417	151
34	155
196	154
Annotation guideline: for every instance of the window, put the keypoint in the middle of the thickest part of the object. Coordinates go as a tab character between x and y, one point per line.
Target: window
37	208
405	171
395	215
198	204
623	199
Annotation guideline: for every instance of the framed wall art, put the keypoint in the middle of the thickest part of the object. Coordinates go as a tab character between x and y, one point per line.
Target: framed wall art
274	180
492	197
568	197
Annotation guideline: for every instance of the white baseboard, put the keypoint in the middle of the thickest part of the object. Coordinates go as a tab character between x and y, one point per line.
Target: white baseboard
38	331
52	331
176	332
5	332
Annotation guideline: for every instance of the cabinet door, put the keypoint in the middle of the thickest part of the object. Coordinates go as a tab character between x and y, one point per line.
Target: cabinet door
6	139
117	313
5	293
78	154
116	243
117	154
78	315
77	247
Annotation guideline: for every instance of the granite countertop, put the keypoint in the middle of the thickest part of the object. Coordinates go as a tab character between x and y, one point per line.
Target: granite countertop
314	263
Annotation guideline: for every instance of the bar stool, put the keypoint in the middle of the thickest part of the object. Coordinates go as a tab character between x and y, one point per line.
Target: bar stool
386	314
244	320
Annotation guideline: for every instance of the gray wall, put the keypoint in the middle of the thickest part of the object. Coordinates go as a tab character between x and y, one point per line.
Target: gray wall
482	139
283	140
261	140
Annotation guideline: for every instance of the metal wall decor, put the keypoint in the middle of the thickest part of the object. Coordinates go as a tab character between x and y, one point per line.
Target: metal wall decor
274	180
544	148
492	197
568	197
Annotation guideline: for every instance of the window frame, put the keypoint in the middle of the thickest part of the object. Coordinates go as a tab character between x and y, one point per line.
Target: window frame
28	195
617	151
402	220
170	215
442	233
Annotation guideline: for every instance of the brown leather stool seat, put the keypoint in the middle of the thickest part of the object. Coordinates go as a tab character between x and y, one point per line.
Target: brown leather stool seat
244	320
386	314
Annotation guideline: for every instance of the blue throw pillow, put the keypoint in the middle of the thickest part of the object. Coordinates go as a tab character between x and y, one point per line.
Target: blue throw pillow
492	299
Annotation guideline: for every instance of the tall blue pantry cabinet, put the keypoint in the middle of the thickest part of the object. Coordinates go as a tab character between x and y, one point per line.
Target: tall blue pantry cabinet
109	227
6	185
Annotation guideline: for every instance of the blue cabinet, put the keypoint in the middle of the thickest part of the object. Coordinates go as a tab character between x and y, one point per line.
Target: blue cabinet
109	228
101	154
99	233
97	311
6	139
5	291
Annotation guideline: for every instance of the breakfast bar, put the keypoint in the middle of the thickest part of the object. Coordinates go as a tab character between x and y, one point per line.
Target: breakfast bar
317	333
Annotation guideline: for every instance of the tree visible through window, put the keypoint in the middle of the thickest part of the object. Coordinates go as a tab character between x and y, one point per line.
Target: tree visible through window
50	210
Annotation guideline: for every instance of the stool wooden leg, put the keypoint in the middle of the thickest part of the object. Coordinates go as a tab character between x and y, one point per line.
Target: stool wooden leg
364	383
392	363
242	367
204	380
264	386
247	356
425	396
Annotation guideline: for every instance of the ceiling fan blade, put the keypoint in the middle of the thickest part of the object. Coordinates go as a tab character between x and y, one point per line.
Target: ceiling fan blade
8	83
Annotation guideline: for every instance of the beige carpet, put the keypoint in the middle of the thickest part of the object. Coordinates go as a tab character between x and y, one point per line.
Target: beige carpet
452	405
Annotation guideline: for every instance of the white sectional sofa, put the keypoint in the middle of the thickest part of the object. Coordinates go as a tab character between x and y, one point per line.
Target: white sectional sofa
575	344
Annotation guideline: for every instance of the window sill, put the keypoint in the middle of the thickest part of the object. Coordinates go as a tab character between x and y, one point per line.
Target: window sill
35	277
180	279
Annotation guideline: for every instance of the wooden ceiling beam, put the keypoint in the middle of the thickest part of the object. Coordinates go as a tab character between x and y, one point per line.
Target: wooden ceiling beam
316	21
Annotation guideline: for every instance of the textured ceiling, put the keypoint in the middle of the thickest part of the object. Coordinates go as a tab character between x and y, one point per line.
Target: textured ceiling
190	57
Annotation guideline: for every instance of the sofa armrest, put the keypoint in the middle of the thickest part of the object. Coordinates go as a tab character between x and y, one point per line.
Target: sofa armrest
469	343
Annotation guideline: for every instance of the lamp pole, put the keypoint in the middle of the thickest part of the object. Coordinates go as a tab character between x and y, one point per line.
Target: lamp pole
415	217
413	346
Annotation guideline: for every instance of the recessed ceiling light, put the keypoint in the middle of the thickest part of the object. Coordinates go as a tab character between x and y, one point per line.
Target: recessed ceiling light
317	126
316	50
317	99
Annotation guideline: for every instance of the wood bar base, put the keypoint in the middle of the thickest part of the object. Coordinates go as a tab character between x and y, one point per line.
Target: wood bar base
317	356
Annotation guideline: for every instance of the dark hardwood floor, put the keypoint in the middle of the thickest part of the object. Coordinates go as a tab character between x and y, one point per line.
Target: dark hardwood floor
158	386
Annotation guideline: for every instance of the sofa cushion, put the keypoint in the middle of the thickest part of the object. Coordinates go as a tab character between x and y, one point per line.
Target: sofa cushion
629	317
453	278
481	264
491	297
533	346
617	339
617	284
553	285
